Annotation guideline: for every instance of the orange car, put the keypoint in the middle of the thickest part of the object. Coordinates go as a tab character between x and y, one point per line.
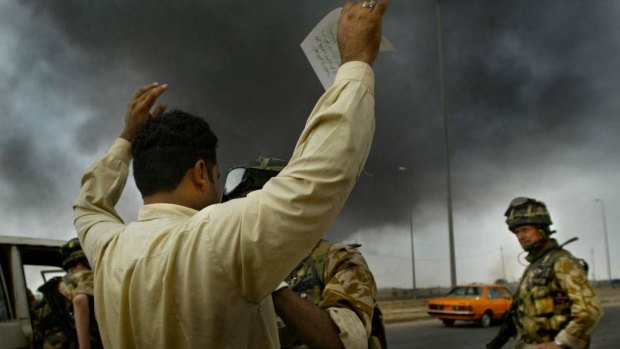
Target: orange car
482	303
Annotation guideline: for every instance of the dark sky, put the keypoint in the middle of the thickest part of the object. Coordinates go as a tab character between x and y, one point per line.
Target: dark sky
531	92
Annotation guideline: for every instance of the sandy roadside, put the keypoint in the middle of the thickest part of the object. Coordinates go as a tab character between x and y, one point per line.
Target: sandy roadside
402	310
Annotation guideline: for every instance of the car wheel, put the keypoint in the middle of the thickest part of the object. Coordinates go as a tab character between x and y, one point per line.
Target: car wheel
448	322
485	320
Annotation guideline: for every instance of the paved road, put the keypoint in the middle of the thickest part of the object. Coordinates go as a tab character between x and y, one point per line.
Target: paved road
432	334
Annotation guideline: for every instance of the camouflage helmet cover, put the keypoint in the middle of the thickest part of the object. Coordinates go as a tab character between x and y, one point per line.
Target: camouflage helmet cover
527	211
71	253
271	164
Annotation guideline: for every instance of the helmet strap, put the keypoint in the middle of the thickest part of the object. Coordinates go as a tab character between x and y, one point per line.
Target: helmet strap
545	235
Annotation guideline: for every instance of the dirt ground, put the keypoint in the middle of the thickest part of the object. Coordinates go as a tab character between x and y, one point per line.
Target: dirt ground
400	310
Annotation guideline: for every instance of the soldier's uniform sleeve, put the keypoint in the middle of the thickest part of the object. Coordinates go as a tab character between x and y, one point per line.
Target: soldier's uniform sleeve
84	283
76	282
352	332
585	310
349	294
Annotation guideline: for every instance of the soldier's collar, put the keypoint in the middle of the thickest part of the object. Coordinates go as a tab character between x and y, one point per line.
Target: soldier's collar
547	245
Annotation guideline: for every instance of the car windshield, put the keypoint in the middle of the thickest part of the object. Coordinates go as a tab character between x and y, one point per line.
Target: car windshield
469	291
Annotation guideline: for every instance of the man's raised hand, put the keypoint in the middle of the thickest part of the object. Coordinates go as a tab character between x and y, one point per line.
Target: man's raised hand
359	30
139	108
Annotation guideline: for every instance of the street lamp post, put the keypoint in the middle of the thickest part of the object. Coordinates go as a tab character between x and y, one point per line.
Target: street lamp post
415	291
604	216
447	140
501	249
593	265
409	208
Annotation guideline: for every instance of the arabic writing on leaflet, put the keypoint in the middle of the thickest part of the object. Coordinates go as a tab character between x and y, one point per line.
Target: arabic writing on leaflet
325	42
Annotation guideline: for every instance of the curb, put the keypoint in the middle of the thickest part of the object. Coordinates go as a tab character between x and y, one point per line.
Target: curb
396	316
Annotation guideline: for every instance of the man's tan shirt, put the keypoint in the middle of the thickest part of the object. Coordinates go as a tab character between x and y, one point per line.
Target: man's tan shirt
180	278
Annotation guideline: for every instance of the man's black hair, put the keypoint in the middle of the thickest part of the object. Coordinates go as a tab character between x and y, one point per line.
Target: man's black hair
167	146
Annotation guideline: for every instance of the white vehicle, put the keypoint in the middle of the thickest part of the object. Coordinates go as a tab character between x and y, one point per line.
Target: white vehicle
20	260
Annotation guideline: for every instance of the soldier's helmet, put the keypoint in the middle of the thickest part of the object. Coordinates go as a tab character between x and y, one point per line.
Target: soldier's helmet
243	179
527	211
72	253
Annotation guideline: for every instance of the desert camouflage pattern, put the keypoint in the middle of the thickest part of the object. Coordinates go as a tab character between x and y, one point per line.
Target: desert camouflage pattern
45	323
334	276
556	302
76	282
524	210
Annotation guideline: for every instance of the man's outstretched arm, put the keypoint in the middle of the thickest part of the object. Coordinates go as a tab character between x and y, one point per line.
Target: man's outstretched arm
95	218
284	220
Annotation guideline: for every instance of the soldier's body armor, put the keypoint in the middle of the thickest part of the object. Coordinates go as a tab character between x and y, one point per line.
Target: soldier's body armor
308	281
543	308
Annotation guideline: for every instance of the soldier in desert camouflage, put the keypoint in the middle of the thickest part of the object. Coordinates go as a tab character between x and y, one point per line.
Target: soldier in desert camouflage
555	306
336	278
65	317
330	294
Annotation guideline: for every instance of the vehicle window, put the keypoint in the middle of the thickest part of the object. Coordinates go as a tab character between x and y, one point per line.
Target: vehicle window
37	275
465	291
4	302
492	293
507	293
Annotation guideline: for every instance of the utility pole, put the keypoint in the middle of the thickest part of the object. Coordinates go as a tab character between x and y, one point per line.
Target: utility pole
593	266
604	216
501	249
414	291
446	123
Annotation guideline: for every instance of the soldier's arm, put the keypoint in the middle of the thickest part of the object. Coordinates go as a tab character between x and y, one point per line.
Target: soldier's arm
311	324
585	309
82	305
349	294
81	313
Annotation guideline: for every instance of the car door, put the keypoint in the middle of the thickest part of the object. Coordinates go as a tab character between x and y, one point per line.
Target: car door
506	296
14	313
496	302
16	253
